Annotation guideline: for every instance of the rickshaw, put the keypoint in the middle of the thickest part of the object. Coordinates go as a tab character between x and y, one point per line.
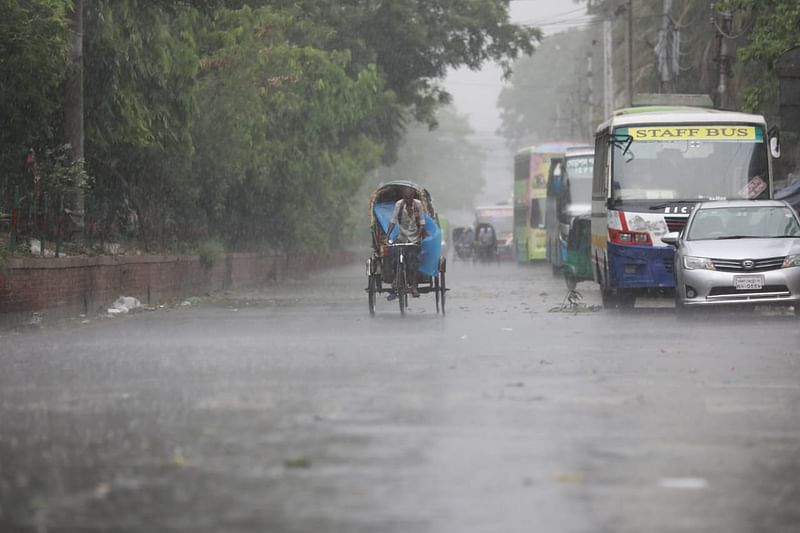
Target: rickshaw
578	260
386	272
464	243
485	243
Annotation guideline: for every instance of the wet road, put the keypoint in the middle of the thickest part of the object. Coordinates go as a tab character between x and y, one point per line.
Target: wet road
291	410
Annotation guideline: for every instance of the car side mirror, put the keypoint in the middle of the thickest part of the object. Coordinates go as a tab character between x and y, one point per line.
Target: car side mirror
671	238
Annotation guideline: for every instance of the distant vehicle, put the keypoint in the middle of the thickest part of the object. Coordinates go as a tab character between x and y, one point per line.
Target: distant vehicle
651	167
485	243
578	258
463	243
569	194
531	172
738	252
501	218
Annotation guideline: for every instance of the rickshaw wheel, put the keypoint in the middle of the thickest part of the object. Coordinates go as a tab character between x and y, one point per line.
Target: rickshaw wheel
402	297
371	293
442	289
436	290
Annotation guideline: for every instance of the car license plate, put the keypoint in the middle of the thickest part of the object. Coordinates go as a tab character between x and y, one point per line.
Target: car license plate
748	283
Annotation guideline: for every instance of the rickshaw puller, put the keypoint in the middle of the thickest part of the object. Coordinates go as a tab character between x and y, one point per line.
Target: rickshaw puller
408	214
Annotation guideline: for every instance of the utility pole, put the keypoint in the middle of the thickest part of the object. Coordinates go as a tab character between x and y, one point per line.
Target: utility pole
665	49
608	69
630	54
724	27
73	109
590	93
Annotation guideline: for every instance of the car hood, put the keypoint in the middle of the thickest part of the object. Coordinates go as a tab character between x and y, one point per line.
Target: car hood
743	248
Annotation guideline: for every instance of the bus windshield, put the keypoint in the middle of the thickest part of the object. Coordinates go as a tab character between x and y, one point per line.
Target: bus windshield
579	179
685	163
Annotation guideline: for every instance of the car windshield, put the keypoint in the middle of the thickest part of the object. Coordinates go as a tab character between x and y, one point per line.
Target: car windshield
673	164
502	221
757	222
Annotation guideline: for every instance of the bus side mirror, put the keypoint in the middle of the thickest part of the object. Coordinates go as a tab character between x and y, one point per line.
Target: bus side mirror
775	143
775	147
671	238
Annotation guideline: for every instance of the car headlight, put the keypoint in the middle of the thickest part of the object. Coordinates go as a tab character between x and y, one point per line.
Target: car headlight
791	261
697	263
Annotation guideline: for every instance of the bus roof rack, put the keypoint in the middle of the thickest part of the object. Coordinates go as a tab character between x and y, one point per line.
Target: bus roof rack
675	99
661	109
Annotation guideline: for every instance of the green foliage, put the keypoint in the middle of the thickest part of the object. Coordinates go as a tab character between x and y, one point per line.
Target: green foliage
544	101
776	27
441	159
34	47
3	260
209	252
414	42
251	123
279	144
61	175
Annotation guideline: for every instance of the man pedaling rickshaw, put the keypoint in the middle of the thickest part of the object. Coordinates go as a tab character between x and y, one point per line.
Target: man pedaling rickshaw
408	215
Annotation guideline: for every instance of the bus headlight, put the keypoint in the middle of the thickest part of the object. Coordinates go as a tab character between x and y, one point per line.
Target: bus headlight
791	261
697	263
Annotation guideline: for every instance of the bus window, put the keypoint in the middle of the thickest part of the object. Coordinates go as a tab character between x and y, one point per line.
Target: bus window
537	212
599	178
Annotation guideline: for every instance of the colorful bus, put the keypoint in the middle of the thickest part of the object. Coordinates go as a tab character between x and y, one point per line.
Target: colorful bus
651	166
531	171
577	164
572	198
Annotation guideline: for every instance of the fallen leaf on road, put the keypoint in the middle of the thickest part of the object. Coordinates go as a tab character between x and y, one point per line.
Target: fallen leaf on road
101	491
178	459
569	477
299	462
686	483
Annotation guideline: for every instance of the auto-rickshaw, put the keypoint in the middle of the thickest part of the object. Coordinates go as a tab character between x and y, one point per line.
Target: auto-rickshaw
578	261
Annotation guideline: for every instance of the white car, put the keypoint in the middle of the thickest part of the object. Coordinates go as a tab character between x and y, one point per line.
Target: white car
738	252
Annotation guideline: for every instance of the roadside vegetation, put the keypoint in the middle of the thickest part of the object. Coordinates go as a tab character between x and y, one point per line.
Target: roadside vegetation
248	123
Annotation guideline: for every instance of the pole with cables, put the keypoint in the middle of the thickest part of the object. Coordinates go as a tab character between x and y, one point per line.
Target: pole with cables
724	29
630	54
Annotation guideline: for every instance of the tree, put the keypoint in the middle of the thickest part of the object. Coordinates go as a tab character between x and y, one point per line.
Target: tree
140	68
413	43
548	97
34	47
280	142
443	160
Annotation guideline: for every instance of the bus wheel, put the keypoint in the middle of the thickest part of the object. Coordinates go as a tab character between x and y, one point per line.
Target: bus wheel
626	299
608	297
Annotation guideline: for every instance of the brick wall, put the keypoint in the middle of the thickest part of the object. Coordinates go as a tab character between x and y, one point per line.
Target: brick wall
75	285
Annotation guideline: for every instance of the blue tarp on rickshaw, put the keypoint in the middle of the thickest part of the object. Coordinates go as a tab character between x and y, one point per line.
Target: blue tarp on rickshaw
431	244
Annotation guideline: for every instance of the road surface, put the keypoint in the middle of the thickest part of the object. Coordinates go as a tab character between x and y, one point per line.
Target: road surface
288	409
